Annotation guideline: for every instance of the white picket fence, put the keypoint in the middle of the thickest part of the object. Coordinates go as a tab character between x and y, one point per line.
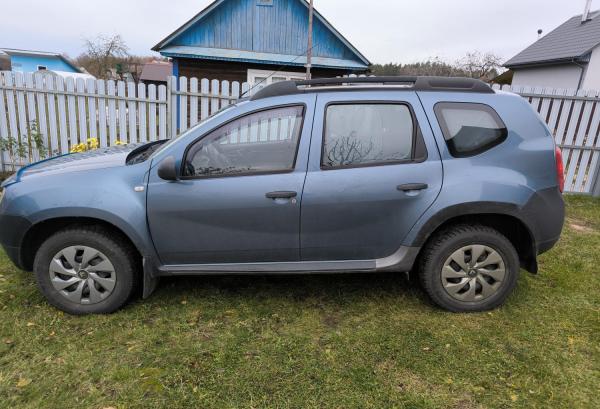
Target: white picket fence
64	113
574	119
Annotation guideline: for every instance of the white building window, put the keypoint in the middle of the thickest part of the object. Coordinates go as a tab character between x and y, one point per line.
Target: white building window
258	79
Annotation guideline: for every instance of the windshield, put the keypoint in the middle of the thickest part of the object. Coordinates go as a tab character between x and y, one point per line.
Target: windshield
192	129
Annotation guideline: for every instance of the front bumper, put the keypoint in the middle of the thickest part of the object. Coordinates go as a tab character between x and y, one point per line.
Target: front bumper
14	254
12	233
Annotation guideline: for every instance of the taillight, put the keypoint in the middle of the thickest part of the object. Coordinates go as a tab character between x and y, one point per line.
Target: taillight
560	170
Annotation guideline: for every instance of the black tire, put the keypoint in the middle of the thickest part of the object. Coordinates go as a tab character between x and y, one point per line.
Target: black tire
452	239
117	250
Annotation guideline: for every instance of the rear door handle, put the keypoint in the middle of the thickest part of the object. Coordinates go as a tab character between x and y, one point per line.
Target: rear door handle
281	195
413	186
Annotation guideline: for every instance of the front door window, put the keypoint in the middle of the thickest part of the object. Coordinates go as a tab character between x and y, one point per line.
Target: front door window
262	142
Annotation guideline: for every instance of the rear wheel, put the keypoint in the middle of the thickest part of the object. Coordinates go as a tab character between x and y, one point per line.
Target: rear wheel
86	271
469	268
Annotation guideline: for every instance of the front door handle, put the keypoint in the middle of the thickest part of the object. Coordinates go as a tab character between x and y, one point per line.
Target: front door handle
413	186
281	195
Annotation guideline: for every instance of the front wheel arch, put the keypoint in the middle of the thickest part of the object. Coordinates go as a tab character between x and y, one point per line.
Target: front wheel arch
40	232
86	269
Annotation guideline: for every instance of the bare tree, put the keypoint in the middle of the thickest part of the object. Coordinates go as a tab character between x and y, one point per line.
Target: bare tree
103	54
479	65
348	150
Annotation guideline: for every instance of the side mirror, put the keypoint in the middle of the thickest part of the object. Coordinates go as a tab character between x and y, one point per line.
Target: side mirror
167	170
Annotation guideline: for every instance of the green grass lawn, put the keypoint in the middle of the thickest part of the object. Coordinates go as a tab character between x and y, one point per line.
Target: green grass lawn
368	341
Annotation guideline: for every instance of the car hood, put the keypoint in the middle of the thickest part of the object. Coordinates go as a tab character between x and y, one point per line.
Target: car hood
74	162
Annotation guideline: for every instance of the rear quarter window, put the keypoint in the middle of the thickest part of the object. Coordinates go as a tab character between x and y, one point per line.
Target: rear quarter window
470	129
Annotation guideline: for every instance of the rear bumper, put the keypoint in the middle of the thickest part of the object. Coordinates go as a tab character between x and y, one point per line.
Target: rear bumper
545	214
546	245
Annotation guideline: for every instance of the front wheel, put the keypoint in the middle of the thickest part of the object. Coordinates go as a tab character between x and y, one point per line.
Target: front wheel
85	271
469	268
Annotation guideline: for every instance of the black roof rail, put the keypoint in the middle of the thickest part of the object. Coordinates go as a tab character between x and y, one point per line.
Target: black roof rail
414	83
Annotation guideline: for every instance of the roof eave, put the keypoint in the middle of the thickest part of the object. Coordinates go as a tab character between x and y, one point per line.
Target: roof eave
262	61
583	59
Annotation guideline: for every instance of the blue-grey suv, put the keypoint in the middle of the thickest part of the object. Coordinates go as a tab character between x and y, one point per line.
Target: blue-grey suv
443	177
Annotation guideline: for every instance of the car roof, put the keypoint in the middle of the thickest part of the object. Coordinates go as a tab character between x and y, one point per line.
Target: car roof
446	84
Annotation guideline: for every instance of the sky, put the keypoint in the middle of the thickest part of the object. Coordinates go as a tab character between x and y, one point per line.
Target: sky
383	30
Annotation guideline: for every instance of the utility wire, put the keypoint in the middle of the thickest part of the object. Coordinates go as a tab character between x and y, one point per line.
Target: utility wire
278	69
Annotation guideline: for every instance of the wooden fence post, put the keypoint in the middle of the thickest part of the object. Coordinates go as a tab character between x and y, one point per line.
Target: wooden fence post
3	125
169	107
596	182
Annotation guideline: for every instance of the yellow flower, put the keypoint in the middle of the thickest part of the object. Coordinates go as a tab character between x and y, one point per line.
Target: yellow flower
92	143
82	147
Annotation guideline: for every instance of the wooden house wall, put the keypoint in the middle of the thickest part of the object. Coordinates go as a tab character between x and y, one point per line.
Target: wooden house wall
277	29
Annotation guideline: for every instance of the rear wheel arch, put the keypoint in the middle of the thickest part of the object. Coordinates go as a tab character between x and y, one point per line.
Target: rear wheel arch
498	216
469	268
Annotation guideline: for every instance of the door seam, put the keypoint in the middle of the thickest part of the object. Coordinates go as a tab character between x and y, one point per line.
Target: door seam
312	126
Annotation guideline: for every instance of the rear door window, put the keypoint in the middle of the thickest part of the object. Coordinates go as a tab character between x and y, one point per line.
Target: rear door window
367	135
470	129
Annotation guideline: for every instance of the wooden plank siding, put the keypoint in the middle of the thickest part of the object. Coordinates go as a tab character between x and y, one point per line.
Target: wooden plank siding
238	71
276	29
232	36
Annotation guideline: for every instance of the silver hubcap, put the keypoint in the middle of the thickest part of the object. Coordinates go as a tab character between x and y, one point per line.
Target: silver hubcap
473	273
82	274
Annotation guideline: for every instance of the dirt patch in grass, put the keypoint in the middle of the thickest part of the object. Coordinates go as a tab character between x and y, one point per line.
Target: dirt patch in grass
580	226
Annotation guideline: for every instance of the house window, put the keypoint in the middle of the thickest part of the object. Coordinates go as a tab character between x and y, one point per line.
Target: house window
264	2
42	68
258	79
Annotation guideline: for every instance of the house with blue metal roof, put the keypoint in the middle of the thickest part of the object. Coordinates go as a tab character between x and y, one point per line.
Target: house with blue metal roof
31	61
249	40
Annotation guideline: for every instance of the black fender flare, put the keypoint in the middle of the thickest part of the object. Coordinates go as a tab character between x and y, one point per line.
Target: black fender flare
480	208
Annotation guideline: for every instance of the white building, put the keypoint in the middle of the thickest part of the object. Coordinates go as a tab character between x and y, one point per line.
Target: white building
567	57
